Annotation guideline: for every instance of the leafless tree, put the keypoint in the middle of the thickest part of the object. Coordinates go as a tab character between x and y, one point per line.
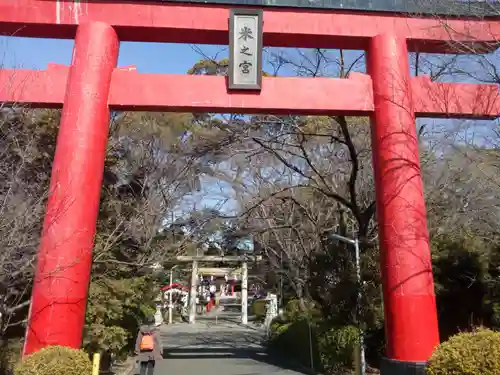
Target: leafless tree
23	184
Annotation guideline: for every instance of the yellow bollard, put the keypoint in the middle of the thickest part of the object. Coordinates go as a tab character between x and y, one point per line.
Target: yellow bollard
96	364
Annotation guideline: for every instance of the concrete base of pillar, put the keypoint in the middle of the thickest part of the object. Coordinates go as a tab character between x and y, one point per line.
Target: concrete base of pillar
394	367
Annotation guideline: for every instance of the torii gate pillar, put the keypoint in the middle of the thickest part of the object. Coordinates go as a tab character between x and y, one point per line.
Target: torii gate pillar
411	324
59	296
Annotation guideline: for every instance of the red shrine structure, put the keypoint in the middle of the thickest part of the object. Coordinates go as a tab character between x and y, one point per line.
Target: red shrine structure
93	86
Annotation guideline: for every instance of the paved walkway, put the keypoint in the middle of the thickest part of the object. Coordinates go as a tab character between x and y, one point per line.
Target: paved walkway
218	345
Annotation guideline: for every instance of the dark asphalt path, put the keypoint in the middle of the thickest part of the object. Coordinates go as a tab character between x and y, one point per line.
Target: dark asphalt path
218	346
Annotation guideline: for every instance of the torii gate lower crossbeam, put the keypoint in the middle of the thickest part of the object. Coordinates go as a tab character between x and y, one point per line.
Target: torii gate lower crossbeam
92	86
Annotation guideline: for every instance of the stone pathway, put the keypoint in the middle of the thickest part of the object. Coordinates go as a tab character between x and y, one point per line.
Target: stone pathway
218	345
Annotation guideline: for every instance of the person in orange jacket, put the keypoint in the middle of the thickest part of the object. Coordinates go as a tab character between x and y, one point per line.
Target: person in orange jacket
148	347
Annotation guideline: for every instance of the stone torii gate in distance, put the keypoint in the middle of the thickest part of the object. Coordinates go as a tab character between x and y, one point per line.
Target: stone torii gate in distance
236	259
94	85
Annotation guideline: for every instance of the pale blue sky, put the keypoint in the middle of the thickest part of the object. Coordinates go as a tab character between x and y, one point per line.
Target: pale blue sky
31	53
149	57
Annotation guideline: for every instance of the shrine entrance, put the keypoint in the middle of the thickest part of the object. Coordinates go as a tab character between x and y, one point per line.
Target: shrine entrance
239	260
94	85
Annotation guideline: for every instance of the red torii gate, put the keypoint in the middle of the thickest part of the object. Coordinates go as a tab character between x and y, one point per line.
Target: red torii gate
93	85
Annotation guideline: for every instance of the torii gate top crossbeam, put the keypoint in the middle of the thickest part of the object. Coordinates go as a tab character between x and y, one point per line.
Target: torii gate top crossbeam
208	24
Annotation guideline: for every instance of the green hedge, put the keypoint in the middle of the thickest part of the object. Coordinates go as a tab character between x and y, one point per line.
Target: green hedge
293	340
259	308
333	347
337	346
294	312
55	360
468	353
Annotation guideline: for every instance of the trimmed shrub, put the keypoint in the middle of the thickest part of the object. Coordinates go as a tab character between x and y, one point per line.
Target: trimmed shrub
55	360
337	346
294	340
259	308
294	312
467	353
278	328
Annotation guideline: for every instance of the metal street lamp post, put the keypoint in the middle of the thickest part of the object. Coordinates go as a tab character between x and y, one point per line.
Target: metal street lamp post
362	362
